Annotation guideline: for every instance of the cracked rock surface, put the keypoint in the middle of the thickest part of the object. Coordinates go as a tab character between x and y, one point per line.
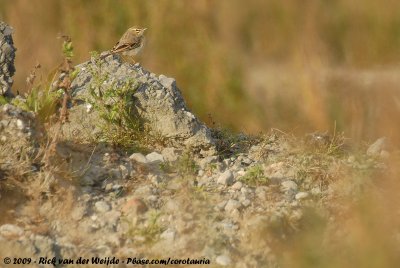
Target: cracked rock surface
158	102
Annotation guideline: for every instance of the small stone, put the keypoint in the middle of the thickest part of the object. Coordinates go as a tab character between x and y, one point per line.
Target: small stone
88	180
138	157
226	178
208	160
89	107
155	179
124	172
261	193
20	124
302	195
3	138
316	191
170	154
168	235
200	173
78	213
223	260
135	206
152	199
246	161
117	187
166	81
108	187
11	230
241	172
154	157
246	202
237	185
220	206
232	205
227	162
288	186
102	206
351	159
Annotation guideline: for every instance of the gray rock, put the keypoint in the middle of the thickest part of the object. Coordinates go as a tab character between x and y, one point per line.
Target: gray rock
247	161
102	206
200	173
138	157
125	171
155	179
316	191
302	195
20	124
157	102
203	163
166	81
168	235
223	260
288	186
246	202
7	56
143	190
227	162
108	187
232	205
226	178
154	157
171	154
237	186
78	213
172	205
221	205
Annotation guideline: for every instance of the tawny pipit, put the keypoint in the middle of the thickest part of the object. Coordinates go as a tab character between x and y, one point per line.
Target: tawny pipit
130	43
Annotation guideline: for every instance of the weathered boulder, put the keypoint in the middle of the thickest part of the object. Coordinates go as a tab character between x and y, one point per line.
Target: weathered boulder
157	101
7	56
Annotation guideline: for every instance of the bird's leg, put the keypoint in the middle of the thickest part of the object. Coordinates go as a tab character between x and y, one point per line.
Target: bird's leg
131	60
128	59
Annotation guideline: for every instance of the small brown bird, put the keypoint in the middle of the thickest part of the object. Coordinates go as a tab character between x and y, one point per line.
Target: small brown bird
131	42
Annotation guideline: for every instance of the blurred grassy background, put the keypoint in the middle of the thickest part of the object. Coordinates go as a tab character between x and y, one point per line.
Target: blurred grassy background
299	66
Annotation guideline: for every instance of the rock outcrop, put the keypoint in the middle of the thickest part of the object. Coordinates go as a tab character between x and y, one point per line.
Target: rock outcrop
7	56
157	101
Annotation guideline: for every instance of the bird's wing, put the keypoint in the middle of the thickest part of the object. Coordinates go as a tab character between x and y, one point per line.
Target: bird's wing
127	42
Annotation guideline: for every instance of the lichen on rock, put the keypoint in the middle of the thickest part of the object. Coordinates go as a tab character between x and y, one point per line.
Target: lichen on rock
7	56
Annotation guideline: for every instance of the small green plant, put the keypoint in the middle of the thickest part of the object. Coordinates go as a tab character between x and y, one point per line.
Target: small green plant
45	98
229	143
151	229
40	99
255	176
3	100
166	167
186	165
116	105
